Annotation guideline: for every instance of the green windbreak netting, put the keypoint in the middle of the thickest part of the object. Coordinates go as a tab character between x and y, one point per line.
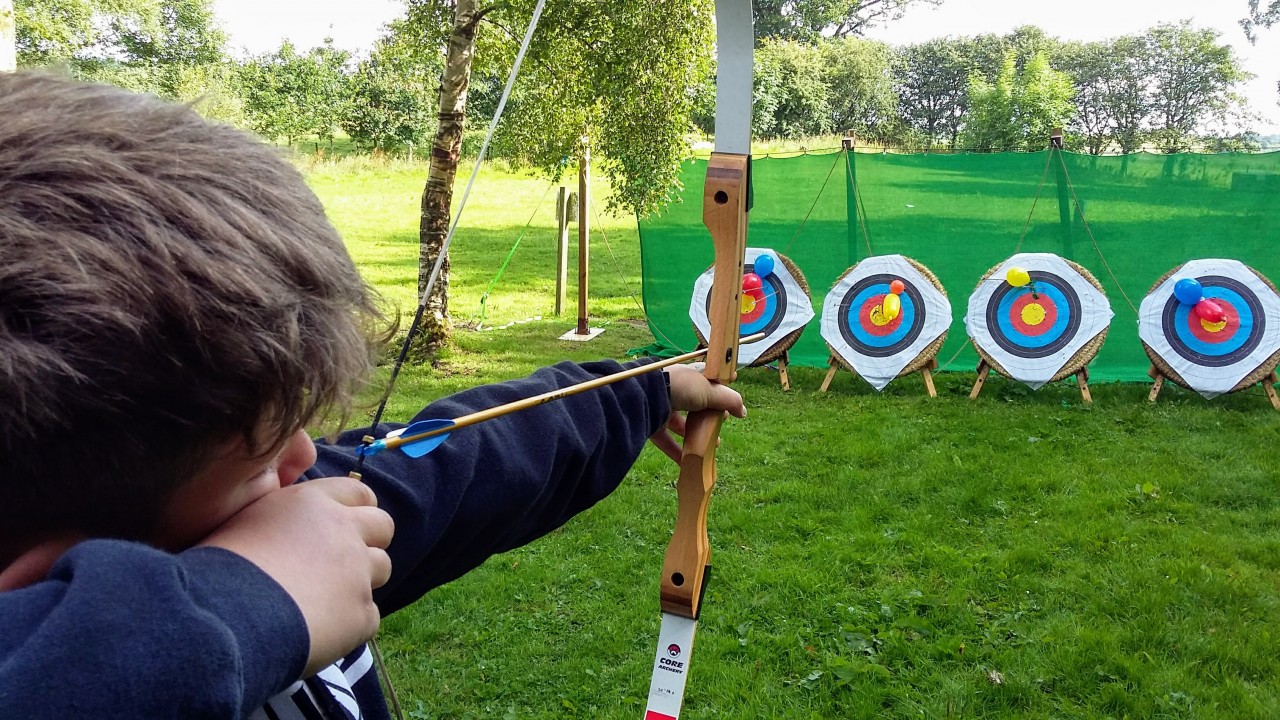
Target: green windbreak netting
961	215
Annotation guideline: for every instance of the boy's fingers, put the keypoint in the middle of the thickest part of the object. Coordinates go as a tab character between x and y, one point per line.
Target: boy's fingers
346	490
665	442
380	564
676	423
377	527
723	397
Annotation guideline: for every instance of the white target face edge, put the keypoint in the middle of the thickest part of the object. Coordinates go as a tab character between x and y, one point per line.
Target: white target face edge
1211	381
1094	310
879	371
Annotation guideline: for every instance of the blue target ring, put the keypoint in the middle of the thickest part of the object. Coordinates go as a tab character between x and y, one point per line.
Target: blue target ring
1002	309
1004	317
910	321
1178	316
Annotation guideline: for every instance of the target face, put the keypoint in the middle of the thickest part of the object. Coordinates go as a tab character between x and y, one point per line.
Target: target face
778	308
1213	357
875	343
1034	330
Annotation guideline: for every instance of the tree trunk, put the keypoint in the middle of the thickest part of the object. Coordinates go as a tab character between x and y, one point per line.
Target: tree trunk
438	193
8	37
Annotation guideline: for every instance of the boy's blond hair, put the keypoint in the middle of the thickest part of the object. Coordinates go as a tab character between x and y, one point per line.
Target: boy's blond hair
167	284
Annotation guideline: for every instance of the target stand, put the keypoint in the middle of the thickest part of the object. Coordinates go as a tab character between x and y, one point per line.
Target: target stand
1210	358
879	348
925	368
1046	330
781	312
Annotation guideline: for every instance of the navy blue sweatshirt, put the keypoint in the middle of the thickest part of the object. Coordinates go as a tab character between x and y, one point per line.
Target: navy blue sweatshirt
121	630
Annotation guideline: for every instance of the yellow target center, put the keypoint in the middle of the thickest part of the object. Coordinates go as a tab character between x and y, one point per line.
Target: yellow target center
1033	314
748	304
878	318
1213	326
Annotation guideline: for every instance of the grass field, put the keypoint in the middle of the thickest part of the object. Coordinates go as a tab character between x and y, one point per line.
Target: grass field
875	555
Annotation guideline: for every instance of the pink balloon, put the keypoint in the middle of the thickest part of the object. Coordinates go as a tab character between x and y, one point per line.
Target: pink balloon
751	282
1210	311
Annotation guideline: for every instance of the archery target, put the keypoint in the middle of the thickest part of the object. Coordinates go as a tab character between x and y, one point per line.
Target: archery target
780	308
1212	358
856	331
1032	332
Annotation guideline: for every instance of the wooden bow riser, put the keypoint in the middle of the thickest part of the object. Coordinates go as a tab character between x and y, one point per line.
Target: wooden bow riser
724	204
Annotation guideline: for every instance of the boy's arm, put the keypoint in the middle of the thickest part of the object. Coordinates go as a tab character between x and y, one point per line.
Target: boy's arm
120	630
501	484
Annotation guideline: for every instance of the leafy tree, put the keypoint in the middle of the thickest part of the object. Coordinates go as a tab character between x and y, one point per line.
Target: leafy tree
932	84
391	102
860	95
1192	80
290	95
329	96
792	99
8	39
49	31
1018	109
808	21
1260	17
1112	106
175	37
274	88
174	49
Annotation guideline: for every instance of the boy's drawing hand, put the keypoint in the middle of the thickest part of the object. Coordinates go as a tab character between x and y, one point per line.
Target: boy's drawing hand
325	542
691	391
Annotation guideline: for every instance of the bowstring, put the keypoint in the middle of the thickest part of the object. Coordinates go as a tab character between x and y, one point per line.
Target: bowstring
448	239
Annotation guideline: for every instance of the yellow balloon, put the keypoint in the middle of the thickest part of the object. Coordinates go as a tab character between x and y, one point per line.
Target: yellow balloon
1017	277
891	307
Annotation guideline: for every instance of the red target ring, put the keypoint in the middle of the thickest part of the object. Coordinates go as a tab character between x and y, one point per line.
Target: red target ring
1033	314
869	325
1230	324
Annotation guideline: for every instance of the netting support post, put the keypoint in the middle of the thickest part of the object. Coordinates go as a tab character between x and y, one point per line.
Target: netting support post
584	235
562	247
850	199
1064	194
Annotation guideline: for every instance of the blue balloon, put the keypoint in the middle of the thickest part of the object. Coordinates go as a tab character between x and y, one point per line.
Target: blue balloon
764	264
1188	291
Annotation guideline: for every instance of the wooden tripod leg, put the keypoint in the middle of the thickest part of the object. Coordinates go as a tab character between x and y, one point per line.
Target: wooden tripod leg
1269	385
831	374
1082	380
782	372
1155	387
983	370
927	373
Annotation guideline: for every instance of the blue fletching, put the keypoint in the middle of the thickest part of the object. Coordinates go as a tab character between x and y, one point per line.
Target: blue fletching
371	449
422	447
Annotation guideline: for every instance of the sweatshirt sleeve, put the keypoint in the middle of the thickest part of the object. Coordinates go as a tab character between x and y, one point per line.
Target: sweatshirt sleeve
200	634
498	485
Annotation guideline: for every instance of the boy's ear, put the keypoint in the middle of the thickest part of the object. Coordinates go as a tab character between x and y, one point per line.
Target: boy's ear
33	565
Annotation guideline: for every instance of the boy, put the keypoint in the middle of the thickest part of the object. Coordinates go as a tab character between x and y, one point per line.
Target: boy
174	308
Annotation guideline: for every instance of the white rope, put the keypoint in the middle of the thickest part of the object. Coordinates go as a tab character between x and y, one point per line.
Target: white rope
484	147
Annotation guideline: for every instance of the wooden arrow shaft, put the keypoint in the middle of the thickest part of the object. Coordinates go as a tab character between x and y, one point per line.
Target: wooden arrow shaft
506	409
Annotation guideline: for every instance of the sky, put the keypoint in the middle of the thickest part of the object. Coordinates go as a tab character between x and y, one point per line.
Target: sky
256	26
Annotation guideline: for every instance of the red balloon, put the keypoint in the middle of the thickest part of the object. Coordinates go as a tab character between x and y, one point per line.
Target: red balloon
751	282
896	287
1210	311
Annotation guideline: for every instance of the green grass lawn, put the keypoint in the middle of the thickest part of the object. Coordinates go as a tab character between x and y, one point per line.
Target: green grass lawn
875	555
